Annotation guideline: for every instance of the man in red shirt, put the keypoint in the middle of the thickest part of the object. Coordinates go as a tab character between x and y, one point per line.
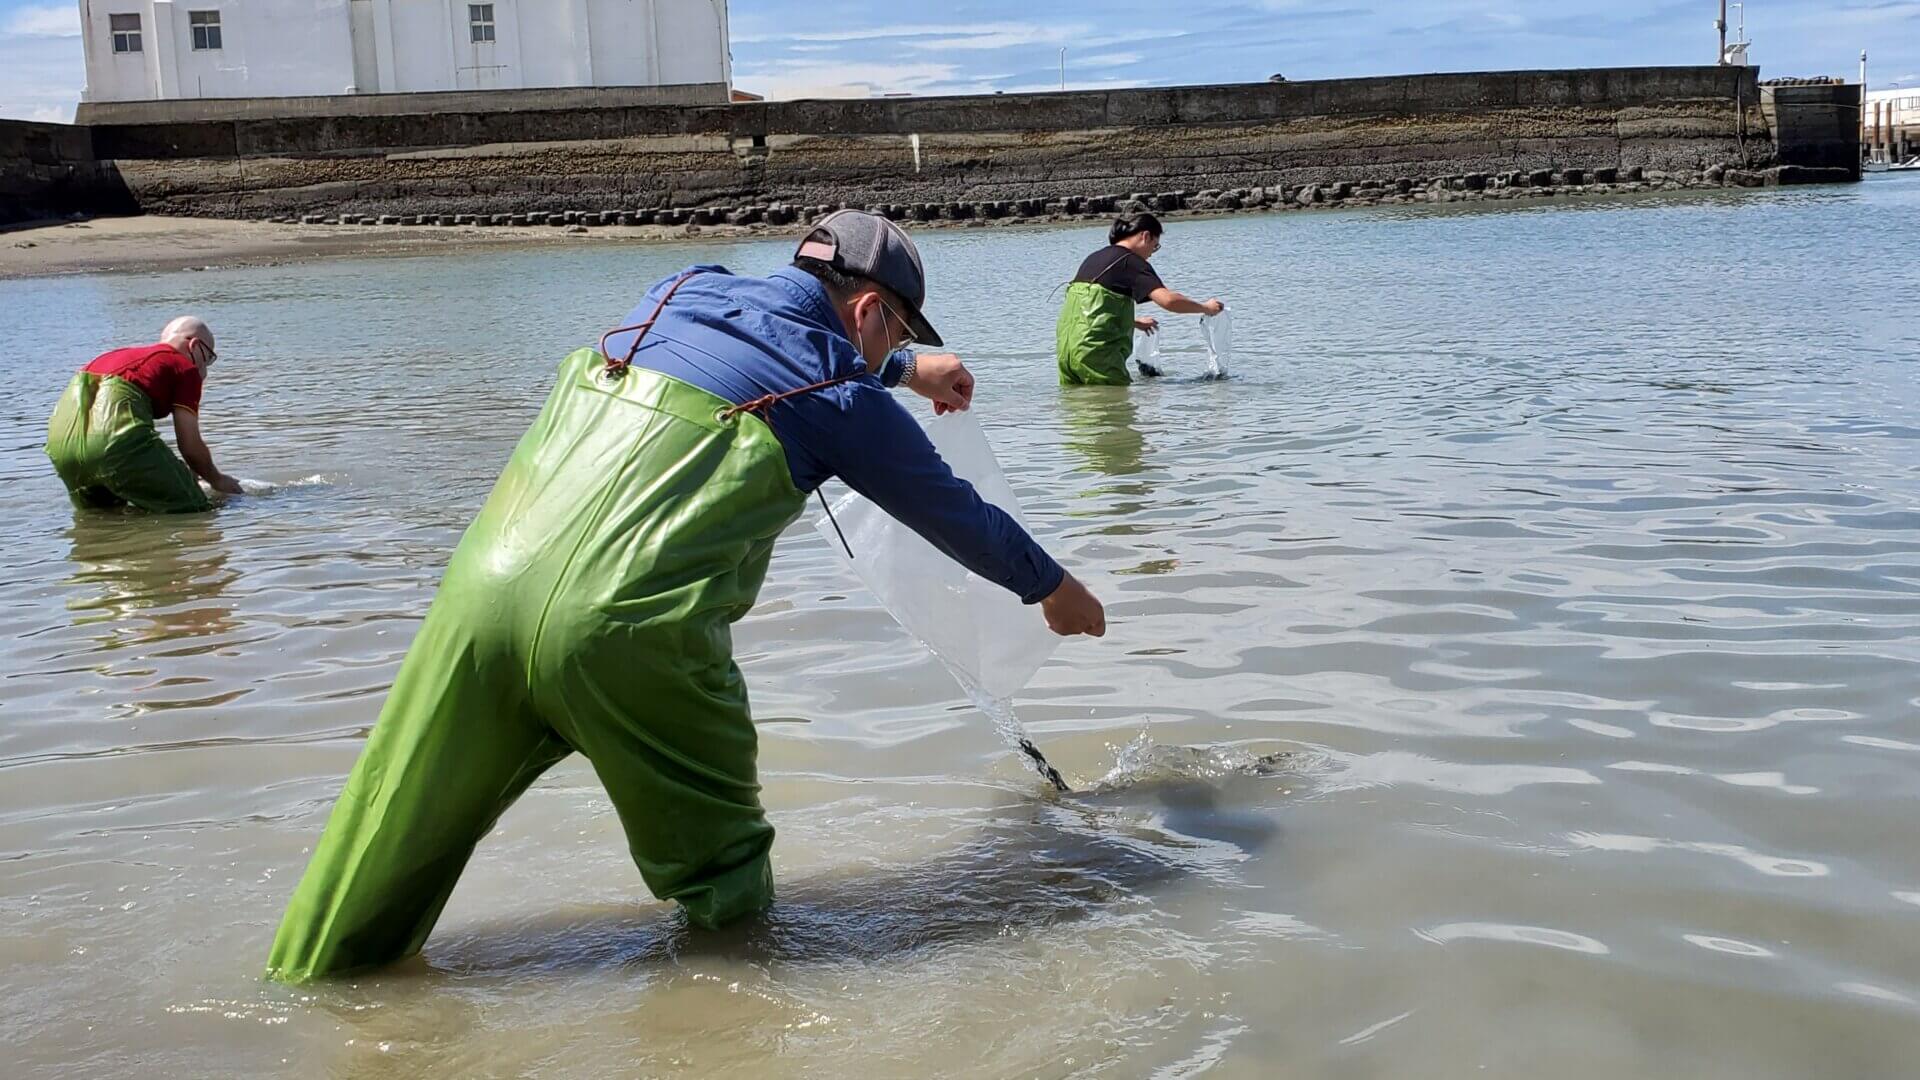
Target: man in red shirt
102	439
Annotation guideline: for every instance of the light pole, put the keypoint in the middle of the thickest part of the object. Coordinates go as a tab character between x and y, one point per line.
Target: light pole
1720	24
1863	97
1063	67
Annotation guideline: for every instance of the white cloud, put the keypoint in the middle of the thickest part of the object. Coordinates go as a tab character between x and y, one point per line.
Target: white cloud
788	79
40	75
52	20
49	114
865	33
1112	59
1006	37
938	36
1073	84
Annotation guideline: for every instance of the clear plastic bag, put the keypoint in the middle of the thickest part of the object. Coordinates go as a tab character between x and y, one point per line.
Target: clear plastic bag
991	642
1146	353
1217	331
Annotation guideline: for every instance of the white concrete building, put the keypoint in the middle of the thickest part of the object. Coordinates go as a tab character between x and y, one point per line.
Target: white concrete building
1892	119
148	50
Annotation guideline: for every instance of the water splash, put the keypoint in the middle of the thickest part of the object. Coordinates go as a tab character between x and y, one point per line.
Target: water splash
268	487
1142	762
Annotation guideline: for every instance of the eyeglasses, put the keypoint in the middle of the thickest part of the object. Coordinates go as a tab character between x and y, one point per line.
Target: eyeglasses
906	328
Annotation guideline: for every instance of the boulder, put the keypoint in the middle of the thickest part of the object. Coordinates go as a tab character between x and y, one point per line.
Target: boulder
1807	174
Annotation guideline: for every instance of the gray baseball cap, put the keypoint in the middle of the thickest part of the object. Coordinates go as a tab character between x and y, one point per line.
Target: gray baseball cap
874	248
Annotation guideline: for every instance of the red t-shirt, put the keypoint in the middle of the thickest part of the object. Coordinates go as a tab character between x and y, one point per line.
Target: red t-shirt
167	376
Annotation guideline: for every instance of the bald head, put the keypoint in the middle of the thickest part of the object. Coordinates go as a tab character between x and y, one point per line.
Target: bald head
192	336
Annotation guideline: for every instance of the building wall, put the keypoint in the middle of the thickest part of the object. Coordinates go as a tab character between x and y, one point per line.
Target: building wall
268	47
293	48
625	46
1902	105
1892	119
422	57
554	49
691	35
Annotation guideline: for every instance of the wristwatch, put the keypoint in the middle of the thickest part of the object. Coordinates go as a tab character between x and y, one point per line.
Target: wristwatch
909	362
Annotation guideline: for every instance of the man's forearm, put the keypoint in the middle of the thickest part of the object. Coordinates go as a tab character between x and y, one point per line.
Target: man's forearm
200	460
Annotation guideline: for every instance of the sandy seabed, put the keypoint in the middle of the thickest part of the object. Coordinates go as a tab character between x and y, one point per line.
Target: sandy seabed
173	243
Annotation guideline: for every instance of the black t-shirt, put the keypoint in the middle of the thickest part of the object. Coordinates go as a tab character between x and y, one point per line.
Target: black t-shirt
1121	270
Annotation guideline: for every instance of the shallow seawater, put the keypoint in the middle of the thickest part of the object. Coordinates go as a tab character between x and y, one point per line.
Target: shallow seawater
1513	671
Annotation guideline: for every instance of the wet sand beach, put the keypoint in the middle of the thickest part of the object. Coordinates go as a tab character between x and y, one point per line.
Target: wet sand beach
150	242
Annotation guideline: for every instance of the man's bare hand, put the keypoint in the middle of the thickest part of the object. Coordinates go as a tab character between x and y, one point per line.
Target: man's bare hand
942	379
1070	609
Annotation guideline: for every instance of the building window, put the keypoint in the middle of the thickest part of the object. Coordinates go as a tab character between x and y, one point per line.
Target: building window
206	29
480	22
126	32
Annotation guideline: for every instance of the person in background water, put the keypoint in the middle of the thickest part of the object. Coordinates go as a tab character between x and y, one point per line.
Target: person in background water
589	606
1094	336
102	439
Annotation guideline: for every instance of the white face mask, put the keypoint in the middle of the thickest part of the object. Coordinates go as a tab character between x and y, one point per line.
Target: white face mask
886	314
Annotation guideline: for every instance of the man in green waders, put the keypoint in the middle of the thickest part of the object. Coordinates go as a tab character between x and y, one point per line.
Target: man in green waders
1094	336
589	605
102	439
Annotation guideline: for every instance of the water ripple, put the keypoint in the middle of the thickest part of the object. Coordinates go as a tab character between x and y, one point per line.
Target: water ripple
1544	586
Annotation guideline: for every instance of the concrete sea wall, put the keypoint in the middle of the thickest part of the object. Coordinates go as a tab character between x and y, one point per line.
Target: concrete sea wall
1815	126
478	159
981	149
51	170
538	99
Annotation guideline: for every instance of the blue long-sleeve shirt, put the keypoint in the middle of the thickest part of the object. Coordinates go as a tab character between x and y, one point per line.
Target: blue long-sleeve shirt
740	338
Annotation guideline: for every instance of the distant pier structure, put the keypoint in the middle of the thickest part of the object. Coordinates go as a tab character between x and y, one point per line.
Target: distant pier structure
1892	119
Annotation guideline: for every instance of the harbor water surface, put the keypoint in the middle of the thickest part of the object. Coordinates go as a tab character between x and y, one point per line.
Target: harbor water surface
1570	553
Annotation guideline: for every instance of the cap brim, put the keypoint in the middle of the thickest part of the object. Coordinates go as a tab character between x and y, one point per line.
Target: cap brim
923	331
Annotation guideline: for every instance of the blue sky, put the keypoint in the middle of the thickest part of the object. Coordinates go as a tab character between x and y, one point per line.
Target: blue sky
841	48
